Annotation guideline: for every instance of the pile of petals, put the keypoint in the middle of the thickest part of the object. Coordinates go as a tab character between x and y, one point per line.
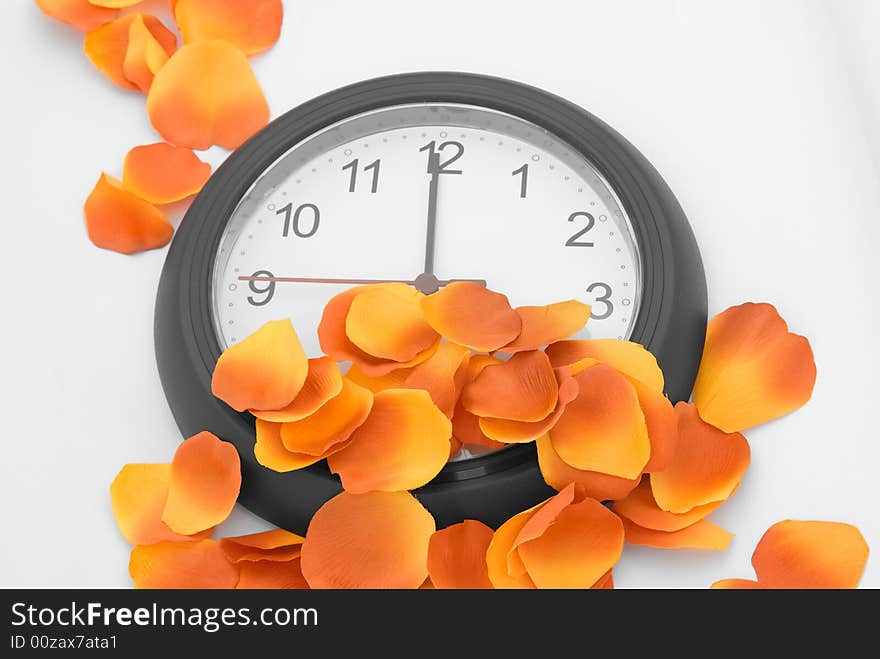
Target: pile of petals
200	94
430	375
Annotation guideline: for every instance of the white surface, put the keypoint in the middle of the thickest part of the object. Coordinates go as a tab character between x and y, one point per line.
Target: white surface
761	115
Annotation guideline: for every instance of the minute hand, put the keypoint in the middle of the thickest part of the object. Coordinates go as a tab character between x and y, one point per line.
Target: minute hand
431	230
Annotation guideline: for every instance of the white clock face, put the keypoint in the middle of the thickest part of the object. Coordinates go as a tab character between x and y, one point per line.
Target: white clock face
514	207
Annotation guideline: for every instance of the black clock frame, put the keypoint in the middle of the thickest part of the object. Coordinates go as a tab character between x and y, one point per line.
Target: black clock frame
671	321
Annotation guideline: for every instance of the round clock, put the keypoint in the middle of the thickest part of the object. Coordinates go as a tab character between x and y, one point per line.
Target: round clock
424	178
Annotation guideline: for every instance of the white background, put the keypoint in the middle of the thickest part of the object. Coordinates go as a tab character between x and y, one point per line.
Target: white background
762	115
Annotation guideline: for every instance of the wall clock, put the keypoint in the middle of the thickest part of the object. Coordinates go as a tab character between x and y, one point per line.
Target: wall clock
424	178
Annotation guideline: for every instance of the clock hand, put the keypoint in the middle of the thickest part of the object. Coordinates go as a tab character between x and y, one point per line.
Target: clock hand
330	280
434	168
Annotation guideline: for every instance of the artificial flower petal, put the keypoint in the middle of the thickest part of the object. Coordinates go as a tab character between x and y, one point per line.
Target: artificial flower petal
544	325
500	549
557	474
442	376
115	4
736	584
204	485
81	14
386	321
471	315
272	575
701	535
199	564
640	508
804	554
457	556
274	545
466	429
519	432
331	425
524	388
391	380
603	429
264	371
373	540
753	369
707	466
138	495
629	358
662	425
118	220
206	94
108	46
162	174
270	452
252	26
606	582
323	382
402	445
144	55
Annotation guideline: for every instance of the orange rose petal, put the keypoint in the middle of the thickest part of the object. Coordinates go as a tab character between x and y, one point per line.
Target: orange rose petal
521	389
391	380
331	425
457	556
798	554
206	94
200	564
272	575
264	371
753	369
204	486
707	466
662	425
473	316
250	25
138	495
603	429
118	220
323	382
144	55
270	452
402	445
273	545
542	326
606	582
557	474
518	432
81	14
162	174
442	376
736	584
386	321
115	4
374	540
500	549
701	535
629	358
466	429
640	508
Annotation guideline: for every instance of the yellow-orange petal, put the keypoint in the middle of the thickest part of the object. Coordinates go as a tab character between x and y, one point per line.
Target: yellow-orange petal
457	556
700	535
806	554
473	316
323	382
273	545
81	14
331	425
250	25
272	575
524	388
753	369
391	380
606	582
629	358
199	564
557	474
662	425
502	547
386	321
161	173
373	540
640	508
144	56
736	584
204	485
402	445
466	429
207	94
442	376
138	495
115	4
708	464
118	220
544	325
519	432
264	371
270	452
603	429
